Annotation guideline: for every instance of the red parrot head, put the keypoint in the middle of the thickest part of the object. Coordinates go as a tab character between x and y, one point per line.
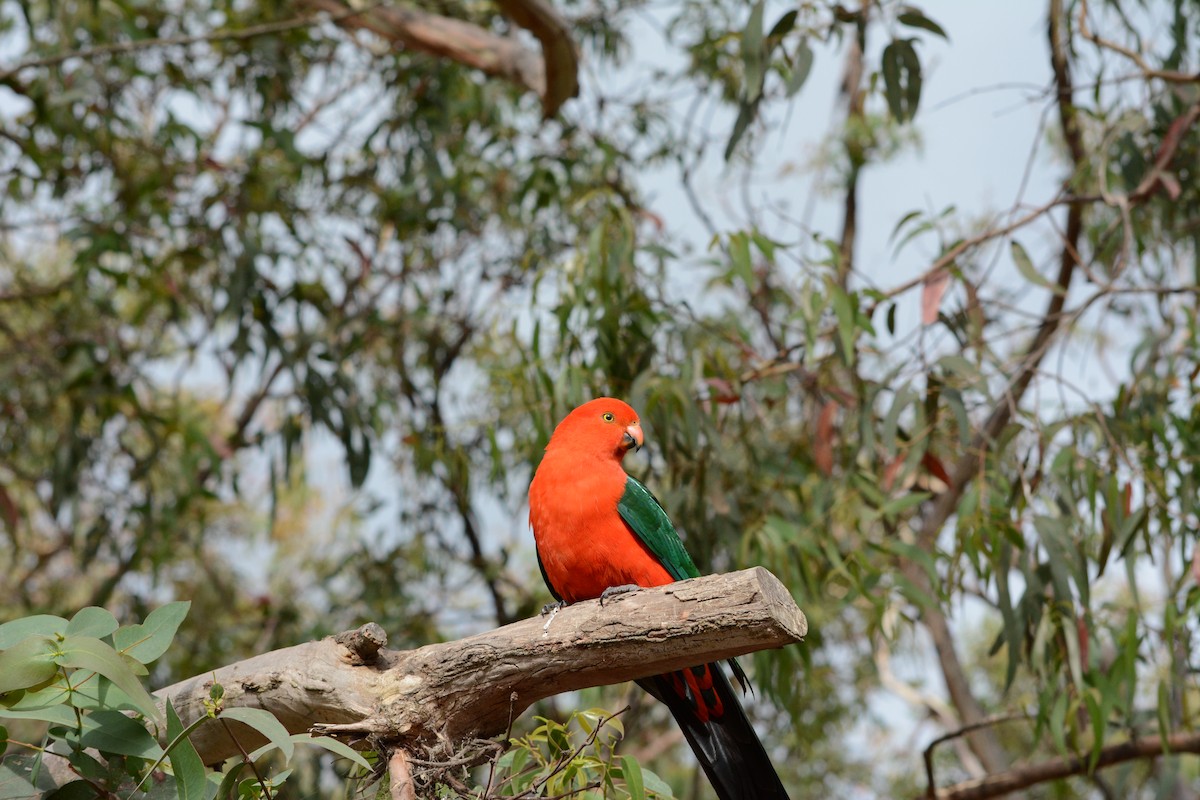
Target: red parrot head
604	426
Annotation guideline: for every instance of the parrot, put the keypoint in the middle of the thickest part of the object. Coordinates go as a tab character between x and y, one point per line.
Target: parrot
599	531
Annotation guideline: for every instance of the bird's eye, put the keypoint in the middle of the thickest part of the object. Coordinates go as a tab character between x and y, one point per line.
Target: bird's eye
608	417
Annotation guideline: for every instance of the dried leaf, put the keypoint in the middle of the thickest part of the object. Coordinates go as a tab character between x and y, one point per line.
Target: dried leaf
932	292
823	442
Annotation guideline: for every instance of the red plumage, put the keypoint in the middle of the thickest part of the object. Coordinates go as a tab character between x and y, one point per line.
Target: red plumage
584	545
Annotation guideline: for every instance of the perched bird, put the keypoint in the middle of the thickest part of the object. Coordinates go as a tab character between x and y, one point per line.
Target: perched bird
598	530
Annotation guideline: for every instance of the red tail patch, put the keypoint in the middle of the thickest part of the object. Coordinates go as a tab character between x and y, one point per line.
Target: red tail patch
696	686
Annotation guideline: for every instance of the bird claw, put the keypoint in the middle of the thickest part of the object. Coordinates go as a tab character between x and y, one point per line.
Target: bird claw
551	609
613	591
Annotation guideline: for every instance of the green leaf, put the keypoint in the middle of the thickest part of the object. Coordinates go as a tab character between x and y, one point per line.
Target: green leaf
114	732
783	26
39	625
847	332
98	692
265	723
1164	712
739	255
746	113
28	663
55	715
631	770
227	789
191	782
92	621
83	652
14	786
914	18
753	61
901	79
148	641
334	746
657	786
1028	271
802	61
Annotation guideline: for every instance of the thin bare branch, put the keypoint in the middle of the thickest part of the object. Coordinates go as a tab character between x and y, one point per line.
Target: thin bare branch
1149	72
1023	777
224	35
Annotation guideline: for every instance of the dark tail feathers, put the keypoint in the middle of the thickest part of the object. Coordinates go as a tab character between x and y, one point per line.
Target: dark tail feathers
726	746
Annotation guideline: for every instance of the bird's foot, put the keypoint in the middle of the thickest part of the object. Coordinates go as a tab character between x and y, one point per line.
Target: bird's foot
552	609
613	591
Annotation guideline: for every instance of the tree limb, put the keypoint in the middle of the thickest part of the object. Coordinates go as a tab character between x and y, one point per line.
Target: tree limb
1055	769
553	76
472	687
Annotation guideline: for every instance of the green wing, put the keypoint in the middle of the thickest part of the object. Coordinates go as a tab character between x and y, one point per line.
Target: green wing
650	523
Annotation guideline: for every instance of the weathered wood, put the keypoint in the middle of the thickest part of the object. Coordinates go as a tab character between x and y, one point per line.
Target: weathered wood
474	686
553	75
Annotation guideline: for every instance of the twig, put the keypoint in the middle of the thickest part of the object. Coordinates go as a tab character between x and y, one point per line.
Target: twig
1170	76
246	757
224	35
931	783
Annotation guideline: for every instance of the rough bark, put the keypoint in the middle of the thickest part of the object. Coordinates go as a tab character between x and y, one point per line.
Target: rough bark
473	687
553	76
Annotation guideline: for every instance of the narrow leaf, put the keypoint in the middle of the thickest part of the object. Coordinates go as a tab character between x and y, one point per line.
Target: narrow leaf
746	114
265	723
913	18
932	291
334	746
754	65
632	771
190	776
1028	271
802	62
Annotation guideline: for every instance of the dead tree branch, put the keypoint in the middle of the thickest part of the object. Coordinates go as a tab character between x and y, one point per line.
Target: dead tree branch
470	687
553	76
1028	775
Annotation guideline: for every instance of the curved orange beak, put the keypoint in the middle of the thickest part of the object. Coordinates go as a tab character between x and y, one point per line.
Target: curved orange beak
633	437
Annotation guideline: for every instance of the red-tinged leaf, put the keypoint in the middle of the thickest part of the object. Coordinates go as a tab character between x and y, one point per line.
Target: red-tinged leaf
8	510
1171	184
1196	565
823	442
722	391
934	466
1082	628
1128	498
655	220
932	292
891	471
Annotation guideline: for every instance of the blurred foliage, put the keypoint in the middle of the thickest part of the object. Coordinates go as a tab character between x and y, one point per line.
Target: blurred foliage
77	685
286	320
